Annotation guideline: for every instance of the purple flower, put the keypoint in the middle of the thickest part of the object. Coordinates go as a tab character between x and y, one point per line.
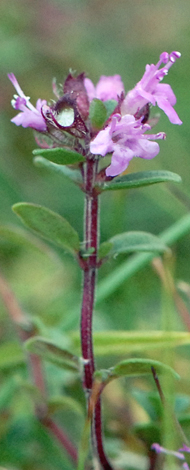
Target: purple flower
161	450
108	88
185	466
179	455
185	448
149	90
29	116
125	133
125	137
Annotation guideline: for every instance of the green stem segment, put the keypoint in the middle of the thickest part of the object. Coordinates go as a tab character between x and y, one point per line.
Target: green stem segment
91	239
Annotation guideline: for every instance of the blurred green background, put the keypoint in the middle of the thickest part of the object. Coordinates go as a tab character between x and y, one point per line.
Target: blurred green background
42	39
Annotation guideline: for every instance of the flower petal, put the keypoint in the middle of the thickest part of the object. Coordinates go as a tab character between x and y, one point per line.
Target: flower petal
90	88
102	143
109	88
120	161
169	111
144	148
149	90
29	116
162	450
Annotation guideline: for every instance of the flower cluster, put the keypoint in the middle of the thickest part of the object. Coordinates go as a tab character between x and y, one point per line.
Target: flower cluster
123	133
178	454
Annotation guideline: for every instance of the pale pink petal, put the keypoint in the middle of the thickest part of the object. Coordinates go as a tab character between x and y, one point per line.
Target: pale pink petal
164	89
185	448
169	111
102	143
120	161
109	88
90	88
29	116
149	90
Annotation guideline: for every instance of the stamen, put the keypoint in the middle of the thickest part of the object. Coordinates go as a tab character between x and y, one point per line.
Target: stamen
161	73
13	102
174	55
164	57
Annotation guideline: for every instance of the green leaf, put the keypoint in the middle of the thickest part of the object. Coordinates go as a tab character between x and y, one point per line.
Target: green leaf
147	432
132	265
61	156
19	237
48	224
110	105
7	392
62	170
105	249
133	368
51	352
97	113
57	404
11	355
129	242
136	180
124	342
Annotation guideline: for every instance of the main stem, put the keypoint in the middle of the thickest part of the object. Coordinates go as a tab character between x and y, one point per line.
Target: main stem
91	239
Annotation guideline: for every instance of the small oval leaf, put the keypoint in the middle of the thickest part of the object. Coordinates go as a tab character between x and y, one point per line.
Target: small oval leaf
110	106
48	225
52	353
105	249
129	242
97	113
136	367
136	180
61	156
133	368
62	170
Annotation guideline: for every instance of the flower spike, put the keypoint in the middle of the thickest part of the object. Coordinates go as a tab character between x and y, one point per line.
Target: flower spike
125	121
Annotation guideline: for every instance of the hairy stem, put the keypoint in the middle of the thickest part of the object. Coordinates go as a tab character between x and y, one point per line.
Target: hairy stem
91	239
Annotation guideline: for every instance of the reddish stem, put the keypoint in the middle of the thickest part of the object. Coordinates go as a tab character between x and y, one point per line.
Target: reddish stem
19	319
91	232
37	372
61	436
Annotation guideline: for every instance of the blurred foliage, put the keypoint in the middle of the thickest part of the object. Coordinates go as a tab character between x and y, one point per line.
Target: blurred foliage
40	40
